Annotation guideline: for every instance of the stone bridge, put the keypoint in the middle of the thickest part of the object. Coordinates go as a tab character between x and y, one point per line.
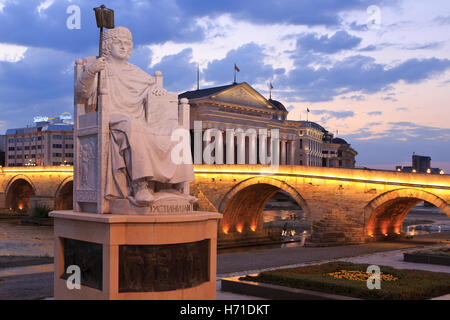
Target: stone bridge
376	201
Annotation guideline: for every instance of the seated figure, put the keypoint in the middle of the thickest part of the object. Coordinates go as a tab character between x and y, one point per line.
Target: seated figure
139	151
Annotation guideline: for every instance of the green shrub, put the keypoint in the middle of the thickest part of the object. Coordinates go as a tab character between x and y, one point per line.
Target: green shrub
410	285
41	211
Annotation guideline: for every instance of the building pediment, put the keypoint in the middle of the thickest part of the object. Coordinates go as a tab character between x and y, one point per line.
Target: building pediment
243	94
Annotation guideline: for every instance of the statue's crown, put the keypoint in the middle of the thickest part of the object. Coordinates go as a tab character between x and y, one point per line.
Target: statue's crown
118	32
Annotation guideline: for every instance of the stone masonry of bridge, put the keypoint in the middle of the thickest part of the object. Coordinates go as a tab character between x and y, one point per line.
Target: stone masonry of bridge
375	201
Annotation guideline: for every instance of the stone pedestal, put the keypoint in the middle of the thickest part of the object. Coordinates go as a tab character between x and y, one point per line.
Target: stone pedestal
160	256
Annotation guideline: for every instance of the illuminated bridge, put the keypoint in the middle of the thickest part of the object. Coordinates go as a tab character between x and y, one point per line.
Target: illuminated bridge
377	201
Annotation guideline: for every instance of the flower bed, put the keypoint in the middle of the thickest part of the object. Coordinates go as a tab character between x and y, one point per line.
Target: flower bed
348	279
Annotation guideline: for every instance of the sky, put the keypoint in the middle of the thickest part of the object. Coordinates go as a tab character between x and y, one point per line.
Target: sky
375	72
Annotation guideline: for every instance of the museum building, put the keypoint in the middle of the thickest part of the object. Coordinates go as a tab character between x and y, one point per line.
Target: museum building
240	106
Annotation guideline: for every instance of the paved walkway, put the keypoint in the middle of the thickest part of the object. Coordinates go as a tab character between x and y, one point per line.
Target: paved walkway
36	282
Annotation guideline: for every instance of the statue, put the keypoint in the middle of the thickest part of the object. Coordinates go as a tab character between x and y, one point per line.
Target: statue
139	159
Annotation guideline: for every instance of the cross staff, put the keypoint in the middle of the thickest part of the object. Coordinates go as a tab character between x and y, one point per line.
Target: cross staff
105	19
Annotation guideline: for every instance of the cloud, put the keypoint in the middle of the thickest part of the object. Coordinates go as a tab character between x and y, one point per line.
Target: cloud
424	46
178	70
298	12
40	83
398	141
250	60
45	26
334	114
442	20
357	73
339	41
375	113
355	98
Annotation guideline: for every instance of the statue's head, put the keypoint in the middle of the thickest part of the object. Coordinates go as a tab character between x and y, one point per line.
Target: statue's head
117	43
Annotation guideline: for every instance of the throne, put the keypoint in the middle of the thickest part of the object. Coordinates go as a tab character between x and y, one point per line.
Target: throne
92	138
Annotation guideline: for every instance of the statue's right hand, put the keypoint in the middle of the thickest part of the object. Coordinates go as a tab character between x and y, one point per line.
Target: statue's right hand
98	65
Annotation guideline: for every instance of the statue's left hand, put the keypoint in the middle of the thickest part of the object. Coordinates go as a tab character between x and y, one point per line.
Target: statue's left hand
159	91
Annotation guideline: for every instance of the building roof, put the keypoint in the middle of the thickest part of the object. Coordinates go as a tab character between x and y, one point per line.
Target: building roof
339	141
195	94
278	105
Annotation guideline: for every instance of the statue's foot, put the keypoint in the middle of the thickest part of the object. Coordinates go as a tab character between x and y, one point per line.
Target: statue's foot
144	196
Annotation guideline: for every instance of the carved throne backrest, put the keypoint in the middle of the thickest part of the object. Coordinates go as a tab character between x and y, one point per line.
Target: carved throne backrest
92	138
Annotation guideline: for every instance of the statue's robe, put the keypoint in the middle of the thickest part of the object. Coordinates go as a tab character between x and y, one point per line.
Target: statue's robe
137	150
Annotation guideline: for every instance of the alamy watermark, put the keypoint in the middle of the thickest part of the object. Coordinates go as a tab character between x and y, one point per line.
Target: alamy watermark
74	280
374	19
74	19
374	280
263	146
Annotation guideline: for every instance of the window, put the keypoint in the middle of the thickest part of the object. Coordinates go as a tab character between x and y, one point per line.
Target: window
69	137
340	163
56	163
27	148
11	157
19	156
40	147
301	143
27	139
33	147
39	138
69	155
11	140
19	139
19	148
57	146
57	155
57	136
33	156
69	146
11	148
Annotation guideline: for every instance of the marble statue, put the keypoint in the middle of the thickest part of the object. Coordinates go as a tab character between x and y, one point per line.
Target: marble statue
139	149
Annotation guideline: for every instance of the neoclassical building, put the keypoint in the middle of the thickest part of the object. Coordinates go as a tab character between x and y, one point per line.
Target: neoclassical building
239	106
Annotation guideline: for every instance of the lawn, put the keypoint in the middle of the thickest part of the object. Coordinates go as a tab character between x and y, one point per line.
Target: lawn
348	279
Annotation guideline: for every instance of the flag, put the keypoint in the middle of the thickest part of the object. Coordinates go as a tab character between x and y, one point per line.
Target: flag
307	109
271	86
236	67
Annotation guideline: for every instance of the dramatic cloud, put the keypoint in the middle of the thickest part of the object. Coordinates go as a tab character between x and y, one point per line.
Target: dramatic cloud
45	25
299	12
178	70
358	73
339	41
250	60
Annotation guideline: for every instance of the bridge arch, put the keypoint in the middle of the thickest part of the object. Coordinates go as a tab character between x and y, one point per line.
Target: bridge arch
64	195
384	215
18	192
242	207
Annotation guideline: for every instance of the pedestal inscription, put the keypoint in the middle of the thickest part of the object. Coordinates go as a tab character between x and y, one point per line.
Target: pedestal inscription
87	256
153	268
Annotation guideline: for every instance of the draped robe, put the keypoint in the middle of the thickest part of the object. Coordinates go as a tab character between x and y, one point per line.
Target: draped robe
137	150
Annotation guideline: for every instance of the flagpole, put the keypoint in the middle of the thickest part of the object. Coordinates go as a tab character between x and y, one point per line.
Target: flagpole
234	73
198	77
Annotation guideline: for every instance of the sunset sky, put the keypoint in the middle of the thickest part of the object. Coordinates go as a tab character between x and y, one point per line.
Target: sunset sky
378	72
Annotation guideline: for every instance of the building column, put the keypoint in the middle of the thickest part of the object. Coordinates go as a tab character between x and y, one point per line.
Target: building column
230	146
218	150
252	149
283	152
292	147
241	148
